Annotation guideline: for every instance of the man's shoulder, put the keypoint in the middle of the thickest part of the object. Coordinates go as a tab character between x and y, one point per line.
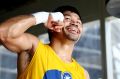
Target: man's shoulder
87	74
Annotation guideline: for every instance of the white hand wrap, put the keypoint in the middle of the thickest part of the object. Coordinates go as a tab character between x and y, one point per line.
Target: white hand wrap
57	16
42	17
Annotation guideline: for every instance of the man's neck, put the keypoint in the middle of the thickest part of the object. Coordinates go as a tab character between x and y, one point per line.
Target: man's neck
63	49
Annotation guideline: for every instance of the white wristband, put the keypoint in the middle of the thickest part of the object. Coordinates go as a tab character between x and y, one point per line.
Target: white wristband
42	17
57	16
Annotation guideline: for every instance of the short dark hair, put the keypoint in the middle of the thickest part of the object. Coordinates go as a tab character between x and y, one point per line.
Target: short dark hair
62	9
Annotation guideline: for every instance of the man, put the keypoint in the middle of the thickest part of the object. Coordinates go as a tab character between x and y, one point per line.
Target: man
37	60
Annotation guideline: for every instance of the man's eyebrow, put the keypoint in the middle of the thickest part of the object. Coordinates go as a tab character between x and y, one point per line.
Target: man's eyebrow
66	15
69	15
78	18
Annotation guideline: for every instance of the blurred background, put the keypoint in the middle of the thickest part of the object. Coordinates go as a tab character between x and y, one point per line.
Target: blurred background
98	50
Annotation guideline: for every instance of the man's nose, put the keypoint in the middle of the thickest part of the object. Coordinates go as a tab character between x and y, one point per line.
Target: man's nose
74	23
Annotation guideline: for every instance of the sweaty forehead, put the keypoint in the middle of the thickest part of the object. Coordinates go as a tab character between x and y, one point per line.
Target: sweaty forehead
69	13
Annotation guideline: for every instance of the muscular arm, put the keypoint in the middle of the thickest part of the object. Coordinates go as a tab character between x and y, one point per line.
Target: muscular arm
16	26
12	34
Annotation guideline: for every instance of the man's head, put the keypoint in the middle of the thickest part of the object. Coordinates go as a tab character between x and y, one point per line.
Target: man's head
72	23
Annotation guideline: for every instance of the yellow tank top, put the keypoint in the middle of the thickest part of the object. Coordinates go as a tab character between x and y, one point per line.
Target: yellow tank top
45	64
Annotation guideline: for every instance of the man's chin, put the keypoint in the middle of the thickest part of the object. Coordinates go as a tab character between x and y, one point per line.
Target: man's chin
73	39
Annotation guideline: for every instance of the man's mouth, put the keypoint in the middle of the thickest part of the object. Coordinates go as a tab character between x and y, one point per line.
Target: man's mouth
73	29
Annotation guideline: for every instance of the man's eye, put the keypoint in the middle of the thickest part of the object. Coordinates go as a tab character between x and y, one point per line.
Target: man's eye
78	22
68	19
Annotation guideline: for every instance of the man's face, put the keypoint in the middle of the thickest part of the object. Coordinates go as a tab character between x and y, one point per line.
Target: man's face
73	26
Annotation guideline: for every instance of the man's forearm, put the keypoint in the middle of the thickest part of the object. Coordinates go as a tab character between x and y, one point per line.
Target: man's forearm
16	26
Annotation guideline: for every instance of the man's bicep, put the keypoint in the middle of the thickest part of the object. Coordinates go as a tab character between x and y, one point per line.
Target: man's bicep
21	43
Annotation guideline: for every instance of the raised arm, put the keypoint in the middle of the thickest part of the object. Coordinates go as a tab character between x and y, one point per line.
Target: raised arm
16	26
12	34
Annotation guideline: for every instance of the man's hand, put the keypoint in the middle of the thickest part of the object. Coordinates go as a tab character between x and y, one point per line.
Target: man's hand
54	25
